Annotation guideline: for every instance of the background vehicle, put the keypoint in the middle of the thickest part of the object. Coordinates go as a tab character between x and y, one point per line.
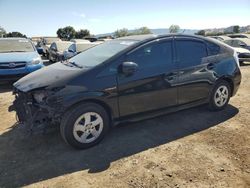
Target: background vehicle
221	37
56	50
18	57
242	47
239	43
77	48
37	43
239	35
91	39
45	44
79	40
128	79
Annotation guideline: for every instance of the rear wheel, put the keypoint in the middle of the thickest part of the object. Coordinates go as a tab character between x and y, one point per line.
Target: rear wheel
220	96
85	125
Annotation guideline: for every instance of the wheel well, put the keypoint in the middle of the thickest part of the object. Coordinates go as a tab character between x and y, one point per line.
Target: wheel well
98	102
230	83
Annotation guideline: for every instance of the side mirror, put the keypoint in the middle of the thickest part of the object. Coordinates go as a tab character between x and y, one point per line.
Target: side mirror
242	45
129	68
68	55
53	48
70	50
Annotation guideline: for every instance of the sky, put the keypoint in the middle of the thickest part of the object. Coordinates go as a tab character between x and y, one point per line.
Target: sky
43	18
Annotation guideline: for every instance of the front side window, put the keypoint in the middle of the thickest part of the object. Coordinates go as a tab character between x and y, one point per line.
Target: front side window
190	52
155	56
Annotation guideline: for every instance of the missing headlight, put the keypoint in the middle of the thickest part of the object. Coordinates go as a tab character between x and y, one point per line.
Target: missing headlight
40	96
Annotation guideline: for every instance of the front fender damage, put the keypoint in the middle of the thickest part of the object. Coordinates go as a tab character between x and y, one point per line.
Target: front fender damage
37	117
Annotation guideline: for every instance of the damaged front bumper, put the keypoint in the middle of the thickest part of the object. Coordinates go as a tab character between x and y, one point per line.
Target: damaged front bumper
36	116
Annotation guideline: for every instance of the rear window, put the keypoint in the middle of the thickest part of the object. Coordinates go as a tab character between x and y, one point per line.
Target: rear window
20	45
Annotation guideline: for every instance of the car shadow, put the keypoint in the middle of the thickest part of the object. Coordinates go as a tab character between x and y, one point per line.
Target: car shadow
6	87
29	159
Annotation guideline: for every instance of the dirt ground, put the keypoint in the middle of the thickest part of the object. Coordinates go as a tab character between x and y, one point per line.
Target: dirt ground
191	148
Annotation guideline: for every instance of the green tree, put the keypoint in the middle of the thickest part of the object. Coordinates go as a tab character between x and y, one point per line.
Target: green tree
201	32
142	31
82	33
236	29
66	33
2	31
15	34
174	29
121	32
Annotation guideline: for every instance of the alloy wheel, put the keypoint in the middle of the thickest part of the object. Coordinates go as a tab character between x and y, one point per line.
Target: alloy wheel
88	127
221	96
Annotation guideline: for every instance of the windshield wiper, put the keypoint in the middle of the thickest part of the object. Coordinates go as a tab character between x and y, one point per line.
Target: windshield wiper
67	62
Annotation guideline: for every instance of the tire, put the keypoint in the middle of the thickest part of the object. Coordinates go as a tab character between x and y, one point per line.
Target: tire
85	125
219	101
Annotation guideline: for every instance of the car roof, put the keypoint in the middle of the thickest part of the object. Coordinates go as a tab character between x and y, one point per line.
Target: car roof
79	40
63	42
13	38
141	38
239	34
224	37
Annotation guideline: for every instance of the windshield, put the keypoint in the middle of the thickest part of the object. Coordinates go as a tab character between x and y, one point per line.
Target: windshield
12	45
99	54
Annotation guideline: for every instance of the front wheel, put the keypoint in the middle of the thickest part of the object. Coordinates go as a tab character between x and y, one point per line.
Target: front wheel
220	96
85	125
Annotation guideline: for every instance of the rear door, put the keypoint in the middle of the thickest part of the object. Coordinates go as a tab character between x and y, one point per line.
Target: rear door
195	71
152	87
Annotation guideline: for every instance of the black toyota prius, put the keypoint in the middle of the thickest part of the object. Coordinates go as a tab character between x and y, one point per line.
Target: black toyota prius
126	79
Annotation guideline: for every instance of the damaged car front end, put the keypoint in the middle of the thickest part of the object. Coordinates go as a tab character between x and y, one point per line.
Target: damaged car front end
39	110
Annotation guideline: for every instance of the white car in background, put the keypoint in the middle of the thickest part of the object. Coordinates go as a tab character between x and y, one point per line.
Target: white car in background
78	47
241	46
221	37
239	35
57	49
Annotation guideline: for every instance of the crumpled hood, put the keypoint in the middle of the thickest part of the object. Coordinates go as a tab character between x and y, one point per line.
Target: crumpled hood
18	56
54	75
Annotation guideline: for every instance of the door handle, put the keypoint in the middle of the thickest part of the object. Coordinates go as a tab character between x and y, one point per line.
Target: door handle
210	66
171	76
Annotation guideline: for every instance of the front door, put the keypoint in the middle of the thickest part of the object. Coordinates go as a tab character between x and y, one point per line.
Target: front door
152	87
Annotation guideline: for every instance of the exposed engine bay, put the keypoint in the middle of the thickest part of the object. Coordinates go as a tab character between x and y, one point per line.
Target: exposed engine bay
36	111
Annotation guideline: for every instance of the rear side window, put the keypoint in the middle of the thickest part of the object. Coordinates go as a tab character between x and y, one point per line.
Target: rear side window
213	49
154	56
190	52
